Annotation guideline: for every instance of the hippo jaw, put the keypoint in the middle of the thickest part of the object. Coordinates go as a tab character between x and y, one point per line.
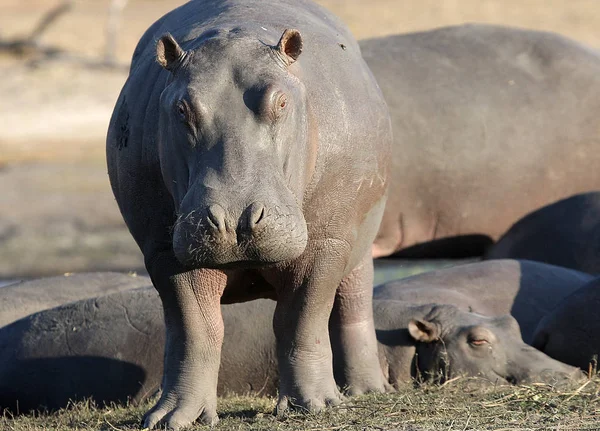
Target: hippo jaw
234	148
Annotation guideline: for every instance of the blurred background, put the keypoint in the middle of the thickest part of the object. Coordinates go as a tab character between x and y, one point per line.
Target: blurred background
60	74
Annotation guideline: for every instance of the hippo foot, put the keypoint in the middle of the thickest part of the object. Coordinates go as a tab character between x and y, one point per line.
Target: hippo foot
372	387
308	404
175	413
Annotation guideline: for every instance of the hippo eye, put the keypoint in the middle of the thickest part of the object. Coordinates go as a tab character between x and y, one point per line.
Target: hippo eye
181	109
280	104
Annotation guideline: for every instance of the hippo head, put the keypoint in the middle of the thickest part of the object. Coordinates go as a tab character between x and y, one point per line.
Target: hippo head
452	342
234	148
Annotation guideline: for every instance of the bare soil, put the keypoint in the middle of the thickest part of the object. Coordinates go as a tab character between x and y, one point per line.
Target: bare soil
57	213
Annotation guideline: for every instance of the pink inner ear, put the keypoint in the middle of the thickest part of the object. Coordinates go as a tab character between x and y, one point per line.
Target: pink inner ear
290	44
293	46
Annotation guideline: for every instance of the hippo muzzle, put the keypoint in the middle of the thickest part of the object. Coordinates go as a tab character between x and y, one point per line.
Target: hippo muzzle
259	234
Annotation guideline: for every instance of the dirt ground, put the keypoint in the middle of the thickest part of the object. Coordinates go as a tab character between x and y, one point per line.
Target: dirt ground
57	213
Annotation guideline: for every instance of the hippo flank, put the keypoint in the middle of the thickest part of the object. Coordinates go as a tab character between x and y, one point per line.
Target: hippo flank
490	123
571	332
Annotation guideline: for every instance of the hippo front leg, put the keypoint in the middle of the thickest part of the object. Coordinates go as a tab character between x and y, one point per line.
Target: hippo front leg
352	328
303	348
191	302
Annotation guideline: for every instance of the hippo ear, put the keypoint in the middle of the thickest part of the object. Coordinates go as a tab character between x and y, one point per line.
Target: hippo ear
290	45
423	331
168	52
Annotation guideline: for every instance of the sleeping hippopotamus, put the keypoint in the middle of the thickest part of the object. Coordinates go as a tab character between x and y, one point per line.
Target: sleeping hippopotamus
527	290
571	332
565	233
248	153
20	299
110	348
490	123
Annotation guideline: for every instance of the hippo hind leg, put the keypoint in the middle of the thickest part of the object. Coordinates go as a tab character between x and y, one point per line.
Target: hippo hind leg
352	330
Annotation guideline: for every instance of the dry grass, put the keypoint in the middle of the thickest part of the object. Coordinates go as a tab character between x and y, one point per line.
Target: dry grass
461	404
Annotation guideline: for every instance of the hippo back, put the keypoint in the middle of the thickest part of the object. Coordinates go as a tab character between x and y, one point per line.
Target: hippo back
572	223
525	289
110	349
26	297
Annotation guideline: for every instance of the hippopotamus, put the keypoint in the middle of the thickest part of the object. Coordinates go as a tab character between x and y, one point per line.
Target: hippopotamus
490	123
525	289
572	225
249	152
571	331
26	297
110	348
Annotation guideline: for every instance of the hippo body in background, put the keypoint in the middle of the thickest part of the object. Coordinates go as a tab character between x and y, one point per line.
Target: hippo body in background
253	164
490	123
111	349
565	233
107	348
526	290
20	299
571	332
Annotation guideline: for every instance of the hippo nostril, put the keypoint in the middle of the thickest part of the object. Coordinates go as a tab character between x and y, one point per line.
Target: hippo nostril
216	217
260	216
255	214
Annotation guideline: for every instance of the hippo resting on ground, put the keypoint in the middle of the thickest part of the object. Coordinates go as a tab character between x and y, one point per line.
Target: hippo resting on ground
26	297
527	290
565	233
571	332
110	348
254	163
490	123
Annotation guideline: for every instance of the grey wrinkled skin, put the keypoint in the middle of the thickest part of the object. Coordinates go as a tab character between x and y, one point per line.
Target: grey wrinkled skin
110	349
107	348
27	297
490	123
571	331
524	289
565	233
248	152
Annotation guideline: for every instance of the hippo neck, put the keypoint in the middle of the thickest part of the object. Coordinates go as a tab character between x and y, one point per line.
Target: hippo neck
396	348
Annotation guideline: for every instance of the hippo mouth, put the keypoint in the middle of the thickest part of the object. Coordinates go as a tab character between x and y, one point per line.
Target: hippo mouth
200	242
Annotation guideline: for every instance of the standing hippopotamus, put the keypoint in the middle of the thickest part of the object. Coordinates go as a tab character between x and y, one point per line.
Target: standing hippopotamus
526	290
571	332
20	299
490	123
110	349
248	152
565	233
